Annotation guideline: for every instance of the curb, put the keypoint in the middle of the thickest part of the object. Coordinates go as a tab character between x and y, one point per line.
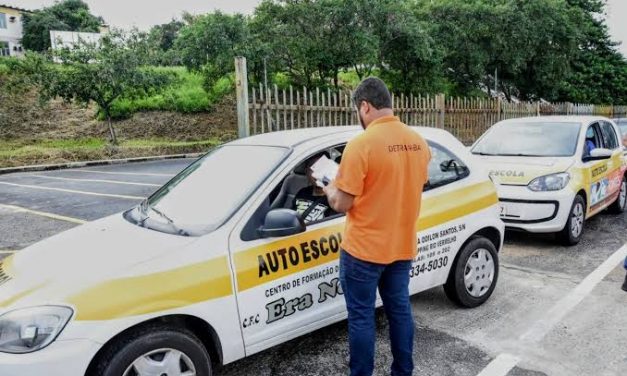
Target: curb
61	166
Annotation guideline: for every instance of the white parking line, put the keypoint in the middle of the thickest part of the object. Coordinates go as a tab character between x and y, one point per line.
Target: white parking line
72	191
43	214
504	363
501	365
123	173
97	181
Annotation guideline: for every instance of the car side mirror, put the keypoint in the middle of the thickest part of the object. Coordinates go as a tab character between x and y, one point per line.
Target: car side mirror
281	222
599	154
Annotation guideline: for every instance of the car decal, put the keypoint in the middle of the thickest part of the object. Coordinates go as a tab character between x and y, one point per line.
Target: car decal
270	261
154	292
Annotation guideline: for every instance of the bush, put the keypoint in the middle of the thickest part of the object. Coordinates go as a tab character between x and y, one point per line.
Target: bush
186	93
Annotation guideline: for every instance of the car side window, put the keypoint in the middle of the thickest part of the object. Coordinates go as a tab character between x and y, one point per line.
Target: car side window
296	191
593	139
444	167
609	136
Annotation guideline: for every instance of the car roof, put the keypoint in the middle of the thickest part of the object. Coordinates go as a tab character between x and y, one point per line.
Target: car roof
296	137
556	119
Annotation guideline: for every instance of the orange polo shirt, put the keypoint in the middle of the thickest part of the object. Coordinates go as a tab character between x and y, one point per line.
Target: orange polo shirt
385	168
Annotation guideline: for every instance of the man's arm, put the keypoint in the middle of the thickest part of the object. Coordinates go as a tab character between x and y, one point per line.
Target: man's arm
339	200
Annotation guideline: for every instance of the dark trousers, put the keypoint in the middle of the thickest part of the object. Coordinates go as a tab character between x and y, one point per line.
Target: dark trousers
360	280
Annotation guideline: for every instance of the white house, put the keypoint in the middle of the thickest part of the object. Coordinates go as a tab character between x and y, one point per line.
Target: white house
11	30
70	39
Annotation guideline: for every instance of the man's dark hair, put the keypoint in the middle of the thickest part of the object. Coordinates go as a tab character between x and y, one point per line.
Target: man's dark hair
373	91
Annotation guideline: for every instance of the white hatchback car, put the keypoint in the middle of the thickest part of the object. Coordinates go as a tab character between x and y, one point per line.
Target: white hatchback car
553	173
214	266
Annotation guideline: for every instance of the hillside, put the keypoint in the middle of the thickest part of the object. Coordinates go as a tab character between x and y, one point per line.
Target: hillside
33	133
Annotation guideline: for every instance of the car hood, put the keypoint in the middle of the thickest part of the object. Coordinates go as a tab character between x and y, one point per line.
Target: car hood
66	263
522	170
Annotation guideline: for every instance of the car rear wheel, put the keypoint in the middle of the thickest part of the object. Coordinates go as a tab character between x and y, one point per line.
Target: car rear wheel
573	230
619	205
474	274
158	351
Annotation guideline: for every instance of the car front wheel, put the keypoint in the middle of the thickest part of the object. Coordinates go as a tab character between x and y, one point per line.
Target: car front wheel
474	274
573	230
156	351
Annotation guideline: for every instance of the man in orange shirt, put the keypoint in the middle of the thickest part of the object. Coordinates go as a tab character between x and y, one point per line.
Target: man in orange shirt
379	185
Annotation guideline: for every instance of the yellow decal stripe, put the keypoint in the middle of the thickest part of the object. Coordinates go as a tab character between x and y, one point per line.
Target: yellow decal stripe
154	292
449	206
15	298
435	211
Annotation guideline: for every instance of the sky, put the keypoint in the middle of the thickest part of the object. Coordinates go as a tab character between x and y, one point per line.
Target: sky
145	13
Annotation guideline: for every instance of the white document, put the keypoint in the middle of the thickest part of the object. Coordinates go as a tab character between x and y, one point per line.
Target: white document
324	171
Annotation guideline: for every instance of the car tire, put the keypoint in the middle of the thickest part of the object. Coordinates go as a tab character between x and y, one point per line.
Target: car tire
618	206
474	273
158	347
575	225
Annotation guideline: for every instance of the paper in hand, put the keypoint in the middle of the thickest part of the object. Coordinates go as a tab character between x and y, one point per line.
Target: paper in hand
324	171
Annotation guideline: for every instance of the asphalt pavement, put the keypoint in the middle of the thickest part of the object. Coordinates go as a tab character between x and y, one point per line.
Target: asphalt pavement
538	321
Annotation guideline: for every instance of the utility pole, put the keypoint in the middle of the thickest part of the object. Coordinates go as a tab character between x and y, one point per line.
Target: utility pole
241	90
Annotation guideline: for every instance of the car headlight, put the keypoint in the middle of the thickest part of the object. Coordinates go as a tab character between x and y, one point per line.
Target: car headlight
31	329
554	182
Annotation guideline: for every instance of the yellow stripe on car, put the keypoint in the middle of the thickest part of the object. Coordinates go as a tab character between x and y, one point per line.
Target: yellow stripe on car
154	292
278	259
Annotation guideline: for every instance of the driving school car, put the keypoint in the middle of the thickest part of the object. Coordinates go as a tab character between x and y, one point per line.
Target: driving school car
215	266
554	173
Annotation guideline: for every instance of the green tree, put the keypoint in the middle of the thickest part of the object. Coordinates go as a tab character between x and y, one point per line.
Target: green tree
528	42
67	15
99	73
314	40
599	71
210	42
407	55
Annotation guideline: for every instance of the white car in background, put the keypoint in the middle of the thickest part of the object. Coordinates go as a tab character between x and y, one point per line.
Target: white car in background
622	126
553	173
214	266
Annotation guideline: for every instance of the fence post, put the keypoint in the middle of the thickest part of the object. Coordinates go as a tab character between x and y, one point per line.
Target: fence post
440	106
241	90
499	109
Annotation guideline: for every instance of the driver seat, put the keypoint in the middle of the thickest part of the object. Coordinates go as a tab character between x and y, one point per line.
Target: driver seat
293	183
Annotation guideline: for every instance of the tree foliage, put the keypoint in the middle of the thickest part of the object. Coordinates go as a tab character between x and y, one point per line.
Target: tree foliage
67	15
599	70
210	42
99	73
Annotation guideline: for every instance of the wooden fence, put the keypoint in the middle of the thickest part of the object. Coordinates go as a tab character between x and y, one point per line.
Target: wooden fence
272	109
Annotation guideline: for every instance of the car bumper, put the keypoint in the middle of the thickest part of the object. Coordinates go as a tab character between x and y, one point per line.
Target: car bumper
542	212
61	358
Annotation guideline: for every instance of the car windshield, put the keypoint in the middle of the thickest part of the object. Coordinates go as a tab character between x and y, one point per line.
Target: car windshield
532	139
205	194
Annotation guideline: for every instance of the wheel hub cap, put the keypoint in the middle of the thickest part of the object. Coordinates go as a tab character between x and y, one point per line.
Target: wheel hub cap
479	272
162	362
576	223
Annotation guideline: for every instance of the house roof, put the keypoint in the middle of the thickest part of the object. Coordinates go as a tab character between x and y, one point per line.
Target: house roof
15	8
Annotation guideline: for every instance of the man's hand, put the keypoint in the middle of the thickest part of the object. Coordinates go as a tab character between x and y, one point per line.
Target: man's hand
339	200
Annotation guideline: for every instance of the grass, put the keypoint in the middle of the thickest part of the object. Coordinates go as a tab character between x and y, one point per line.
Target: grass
21	152
185	94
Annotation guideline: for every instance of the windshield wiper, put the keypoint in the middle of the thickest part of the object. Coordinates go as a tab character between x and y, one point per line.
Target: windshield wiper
521	155
480	153
161	214
145	207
